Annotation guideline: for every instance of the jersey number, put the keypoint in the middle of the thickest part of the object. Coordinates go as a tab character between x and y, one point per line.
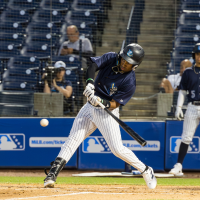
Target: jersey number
193	94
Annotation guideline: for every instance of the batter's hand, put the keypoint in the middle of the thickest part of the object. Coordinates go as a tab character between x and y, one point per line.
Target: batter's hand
89	90
178	113
94	100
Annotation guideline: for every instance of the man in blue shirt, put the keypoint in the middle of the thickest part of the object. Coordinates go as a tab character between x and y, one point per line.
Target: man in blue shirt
190	85
114	86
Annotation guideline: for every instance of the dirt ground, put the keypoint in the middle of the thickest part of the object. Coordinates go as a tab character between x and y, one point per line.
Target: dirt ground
92	192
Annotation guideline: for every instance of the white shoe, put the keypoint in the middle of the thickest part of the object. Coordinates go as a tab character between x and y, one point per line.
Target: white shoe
49	184
177	170
149	178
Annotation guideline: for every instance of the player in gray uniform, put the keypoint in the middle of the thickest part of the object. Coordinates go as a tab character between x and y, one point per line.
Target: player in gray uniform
190	85
114	86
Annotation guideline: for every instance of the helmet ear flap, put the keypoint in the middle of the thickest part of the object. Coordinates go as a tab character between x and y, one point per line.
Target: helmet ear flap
119	59
193	56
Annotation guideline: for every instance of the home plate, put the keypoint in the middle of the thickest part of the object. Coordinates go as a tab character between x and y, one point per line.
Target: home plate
120	174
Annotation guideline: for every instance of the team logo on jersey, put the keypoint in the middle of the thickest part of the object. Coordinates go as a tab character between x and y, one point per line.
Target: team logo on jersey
12	142
112	89
129	53
96	144
176	141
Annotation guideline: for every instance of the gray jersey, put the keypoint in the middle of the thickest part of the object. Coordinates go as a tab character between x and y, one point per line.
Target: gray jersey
86	45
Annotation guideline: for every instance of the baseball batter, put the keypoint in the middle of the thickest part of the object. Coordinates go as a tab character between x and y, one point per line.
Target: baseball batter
114	86
190	85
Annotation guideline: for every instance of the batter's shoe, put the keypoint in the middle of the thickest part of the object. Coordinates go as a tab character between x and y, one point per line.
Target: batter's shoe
177	170
149	177
56	167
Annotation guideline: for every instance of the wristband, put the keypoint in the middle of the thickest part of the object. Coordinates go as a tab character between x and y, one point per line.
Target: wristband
106	103
90	80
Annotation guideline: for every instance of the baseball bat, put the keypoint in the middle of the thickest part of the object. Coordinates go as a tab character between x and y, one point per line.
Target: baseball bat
130	131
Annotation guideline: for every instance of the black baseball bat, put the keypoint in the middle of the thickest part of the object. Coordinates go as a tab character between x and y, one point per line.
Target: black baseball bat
129	130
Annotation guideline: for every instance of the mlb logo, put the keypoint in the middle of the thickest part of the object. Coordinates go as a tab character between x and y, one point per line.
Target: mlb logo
176	141
96	144
12	142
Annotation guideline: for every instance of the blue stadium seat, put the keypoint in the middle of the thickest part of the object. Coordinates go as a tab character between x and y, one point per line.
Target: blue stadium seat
12	38
42	28
188	30
190	5
186	41
8	50
81	18
189	18
20	16
11	27
16	110
18	83
37	50
55	4
49	39
22	4
42	15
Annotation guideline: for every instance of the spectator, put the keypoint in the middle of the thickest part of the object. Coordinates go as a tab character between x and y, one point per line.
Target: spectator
72	45
170	84
59	84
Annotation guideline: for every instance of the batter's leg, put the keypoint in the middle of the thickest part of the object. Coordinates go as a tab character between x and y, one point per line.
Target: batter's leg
82	128
190	125
111	132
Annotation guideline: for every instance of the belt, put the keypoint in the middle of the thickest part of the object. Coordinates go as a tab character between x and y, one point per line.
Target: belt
94	106
196	103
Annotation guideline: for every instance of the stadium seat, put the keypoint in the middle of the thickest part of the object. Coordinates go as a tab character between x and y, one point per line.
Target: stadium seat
190	5
189	18
49	39
42	15
11	27
19	16
22	4
37	50
55	4
81	18
186	41
188	30
12	38
8	50
10	97
16	110
42	28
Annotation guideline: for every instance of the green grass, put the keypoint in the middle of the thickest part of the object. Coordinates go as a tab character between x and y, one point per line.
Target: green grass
101	181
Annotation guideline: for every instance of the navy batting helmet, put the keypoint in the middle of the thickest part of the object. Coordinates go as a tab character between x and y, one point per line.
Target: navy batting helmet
196	49
133	54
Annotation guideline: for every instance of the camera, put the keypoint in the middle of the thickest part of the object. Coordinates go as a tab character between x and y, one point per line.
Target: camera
50	74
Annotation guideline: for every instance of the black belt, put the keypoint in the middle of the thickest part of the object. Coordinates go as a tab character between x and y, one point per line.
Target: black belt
94	106
196	103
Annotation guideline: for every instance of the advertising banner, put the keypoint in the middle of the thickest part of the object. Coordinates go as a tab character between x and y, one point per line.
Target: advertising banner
25	143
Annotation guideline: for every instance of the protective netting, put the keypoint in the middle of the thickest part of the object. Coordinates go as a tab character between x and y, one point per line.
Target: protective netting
35	34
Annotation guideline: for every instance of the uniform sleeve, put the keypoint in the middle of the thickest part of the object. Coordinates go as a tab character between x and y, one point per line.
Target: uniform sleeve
124	95
87	45
104	60
183	84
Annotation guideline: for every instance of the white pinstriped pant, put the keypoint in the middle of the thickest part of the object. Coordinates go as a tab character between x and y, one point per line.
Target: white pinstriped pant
88	119
191	122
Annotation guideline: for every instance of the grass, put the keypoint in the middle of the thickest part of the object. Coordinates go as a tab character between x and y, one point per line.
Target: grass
101	181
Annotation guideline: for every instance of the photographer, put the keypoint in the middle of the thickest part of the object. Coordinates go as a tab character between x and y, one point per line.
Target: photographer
54	81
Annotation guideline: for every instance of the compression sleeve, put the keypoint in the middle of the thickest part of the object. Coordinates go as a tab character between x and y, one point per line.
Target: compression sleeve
181	98
91	72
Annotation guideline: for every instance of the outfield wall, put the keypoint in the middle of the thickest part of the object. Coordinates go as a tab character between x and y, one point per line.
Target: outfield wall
24	143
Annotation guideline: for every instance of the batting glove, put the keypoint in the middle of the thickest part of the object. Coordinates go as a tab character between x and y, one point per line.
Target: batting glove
178	113
89	90
94	100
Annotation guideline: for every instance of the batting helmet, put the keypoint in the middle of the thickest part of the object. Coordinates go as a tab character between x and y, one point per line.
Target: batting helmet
133	54
196	49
